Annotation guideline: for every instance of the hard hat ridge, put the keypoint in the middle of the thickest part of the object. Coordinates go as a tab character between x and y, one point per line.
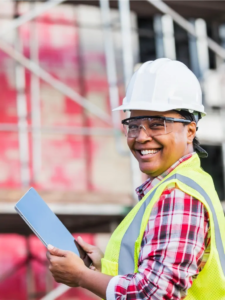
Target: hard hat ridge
163	85
155	66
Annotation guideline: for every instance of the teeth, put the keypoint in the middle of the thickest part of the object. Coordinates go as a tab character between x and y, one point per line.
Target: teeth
145	152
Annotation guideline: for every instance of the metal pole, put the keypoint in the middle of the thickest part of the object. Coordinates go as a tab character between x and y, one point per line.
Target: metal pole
124	7
58	291
22	112
223	160
159	45
164	36
30	15
221	32
168	36
111	71
222	114
7	127
57	84
29	272
186	25
194	59
35	101
128	66
87	141
217	35
202	48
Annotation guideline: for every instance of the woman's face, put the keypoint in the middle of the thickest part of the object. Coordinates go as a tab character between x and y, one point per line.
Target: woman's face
167	148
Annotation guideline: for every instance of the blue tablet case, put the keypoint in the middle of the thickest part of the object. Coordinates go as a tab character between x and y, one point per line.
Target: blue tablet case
44	223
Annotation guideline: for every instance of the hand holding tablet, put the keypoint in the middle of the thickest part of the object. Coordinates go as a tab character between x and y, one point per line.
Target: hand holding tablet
46	225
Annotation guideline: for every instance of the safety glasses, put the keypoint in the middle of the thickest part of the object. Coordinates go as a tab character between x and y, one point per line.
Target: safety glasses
153	125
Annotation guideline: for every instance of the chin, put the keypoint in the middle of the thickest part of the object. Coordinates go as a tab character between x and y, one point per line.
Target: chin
148	169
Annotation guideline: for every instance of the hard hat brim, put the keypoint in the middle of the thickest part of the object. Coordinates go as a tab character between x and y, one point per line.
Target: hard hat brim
160	108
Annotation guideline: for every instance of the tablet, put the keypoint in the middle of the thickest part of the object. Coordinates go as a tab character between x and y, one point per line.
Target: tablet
46	225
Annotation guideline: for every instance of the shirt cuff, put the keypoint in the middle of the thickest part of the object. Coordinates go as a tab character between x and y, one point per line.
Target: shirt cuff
110	291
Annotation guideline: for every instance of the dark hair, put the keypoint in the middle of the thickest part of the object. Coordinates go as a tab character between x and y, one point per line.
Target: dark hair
196	144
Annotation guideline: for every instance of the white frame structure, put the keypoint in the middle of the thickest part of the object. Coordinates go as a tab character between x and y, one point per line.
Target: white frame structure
38	73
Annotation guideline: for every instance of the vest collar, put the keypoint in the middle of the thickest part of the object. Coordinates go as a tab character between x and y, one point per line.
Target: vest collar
143	189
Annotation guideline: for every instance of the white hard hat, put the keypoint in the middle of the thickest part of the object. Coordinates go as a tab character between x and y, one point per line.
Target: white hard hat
163	85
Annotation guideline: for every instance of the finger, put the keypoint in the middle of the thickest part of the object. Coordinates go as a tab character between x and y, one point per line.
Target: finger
53	259
92	268
55	251
87	247
48	255
50	267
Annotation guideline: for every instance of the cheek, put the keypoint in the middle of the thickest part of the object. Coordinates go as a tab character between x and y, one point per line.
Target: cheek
172	144
166	142
175	145
180	140
130	143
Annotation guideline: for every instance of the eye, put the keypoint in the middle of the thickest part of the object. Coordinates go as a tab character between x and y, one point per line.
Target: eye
132	126
156	124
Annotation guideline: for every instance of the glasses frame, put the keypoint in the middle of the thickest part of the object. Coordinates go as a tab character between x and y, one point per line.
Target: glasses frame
125	121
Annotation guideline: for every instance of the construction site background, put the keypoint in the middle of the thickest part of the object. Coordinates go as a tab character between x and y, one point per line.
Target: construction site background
57	131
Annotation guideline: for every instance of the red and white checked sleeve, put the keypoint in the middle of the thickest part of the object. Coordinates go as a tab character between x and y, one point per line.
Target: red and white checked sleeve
171	251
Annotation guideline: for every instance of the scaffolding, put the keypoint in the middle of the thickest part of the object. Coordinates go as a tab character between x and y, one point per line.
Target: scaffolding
112	122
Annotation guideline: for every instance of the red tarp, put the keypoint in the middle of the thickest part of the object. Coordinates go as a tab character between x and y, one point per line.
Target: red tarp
13	255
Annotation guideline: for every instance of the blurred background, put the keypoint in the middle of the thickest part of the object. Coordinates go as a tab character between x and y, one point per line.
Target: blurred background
64	65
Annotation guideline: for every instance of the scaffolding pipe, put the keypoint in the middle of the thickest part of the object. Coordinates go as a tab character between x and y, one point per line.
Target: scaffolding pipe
111	72
29	16
159	45
202	47
168	36
58	291
55	83
87	141
20	83
128	66
194	59
164	36
188	26
128	63
7	127
222	113
35	101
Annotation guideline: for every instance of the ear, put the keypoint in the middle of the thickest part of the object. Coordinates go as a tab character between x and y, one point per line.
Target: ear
191	132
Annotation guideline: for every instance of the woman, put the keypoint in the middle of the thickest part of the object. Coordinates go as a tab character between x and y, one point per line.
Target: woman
169	246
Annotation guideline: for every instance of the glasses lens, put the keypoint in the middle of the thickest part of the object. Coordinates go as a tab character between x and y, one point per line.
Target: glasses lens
168	126
131	128
159	126
152	127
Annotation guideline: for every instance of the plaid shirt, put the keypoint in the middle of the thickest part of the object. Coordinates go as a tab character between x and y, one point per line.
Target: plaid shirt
175	246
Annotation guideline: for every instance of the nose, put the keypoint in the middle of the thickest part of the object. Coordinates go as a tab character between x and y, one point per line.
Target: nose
143	137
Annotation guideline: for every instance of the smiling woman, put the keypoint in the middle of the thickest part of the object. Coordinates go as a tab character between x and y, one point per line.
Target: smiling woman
167	144
170	245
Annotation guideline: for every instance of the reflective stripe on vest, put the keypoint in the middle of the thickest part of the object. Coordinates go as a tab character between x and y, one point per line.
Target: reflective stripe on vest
126	255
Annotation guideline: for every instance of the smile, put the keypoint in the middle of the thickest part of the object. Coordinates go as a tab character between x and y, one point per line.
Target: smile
147	152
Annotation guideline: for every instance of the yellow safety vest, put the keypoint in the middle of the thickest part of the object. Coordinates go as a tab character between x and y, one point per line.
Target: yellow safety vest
122	252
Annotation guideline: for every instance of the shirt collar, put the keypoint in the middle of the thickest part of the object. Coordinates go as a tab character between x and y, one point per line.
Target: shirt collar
143	189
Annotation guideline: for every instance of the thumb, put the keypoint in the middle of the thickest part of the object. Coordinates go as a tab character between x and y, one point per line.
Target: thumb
55	251
87	247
